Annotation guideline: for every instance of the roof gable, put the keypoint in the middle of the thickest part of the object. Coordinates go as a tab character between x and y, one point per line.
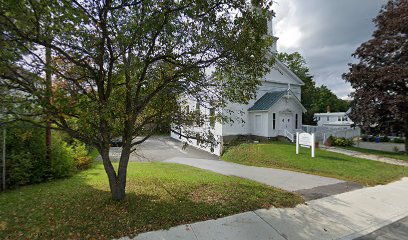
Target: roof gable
280	73
270	98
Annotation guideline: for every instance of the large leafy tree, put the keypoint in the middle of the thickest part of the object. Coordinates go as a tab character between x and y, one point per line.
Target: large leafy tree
380	78
314	99
119	67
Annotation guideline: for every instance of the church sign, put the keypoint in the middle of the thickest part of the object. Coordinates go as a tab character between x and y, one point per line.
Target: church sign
305	140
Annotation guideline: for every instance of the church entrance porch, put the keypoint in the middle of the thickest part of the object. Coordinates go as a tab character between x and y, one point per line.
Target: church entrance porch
286	122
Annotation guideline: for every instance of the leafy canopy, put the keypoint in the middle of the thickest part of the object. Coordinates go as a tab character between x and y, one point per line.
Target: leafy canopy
119	67
380	78
123	63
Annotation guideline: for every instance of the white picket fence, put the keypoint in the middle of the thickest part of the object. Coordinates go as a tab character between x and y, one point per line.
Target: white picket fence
322	132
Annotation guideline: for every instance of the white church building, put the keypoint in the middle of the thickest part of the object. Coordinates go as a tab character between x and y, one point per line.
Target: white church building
275	111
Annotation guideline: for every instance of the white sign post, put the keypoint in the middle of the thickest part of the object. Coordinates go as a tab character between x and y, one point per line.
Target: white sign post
305	140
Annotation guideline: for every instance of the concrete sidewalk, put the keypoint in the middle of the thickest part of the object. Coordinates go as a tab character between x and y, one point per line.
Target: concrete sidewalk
287	180
343	216
368	156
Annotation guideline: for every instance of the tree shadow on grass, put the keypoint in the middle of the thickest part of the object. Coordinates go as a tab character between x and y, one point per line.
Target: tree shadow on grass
81	208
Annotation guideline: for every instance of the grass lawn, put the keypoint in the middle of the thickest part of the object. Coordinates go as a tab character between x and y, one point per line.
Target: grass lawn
159	195
283	155
398	156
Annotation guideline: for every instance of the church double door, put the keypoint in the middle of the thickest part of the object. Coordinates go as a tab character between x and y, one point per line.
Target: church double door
286	122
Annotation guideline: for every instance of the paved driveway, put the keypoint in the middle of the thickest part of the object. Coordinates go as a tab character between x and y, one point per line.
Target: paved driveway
160	148
166	149
287	180
383	146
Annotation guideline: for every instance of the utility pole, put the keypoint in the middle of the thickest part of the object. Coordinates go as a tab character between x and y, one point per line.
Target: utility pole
48	82
4	159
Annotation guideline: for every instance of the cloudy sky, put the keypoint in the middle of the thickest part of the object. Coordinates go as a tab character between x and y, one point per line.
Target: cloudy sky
326	33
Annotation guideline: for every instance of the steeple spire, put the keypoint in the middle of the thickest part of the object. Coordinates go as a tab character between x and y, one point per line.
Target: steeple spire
270	27
270	33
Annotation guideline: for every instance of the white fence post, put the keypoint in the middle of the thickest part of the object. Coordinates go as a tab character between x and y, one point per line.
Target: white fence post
313	145
4	159
297	142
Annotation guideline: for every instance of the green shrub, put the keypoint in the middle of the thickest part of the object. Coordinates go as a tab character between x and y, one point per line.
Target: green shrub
364	137
19	169
81	155
384	139
26	156
25	159
398	140
62	158
340	141
372	138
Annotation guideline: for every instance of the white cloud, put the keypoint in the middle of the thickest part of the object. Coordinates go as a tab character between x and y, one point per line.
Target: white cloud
326	33
289	38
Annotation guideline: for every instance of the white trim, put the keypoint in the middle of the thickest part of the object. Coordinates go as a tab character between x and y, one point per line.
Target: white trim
289	72
258	110
330	114
298	102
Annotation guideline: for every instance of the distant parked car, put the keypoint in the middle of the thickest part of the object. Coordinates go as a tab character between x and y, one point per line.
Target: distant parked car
116	142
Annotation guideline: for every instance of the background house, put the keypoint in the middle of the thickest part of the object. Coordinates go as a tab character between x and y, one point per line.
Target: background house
333	119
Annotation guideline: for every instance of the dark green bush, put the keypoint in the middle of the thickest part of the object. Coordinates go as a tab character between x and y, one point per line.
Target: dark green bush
384	139
398	140
19	169
340	141
26	159
371	138
364	138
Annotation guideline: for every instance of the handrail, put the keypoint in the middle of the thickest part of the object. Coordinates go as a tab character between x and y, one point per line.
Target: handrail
289	135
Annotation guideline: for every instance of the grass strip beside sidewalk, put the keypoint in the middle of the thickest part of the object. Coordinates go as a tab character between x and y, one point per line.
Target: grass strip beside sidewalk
283	155
159	195
398	156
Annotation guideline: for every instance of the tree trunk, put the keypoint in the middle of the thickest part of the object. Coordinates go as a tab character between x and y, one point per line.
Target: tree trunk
117	182
123	163
117	189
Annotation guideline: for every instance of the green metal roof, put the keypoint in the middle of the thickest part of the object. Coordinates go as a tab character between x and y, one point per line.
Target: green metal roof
267	101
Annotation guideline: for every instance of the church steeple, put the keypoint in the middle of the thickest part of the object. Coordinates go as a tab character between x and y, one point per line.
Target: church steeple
269	26
270	33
